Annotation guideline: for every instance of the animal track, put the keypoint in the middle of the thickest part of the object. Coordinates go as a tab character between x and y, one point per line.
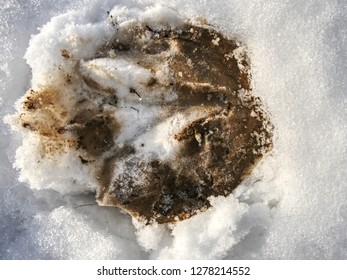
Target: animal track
164	118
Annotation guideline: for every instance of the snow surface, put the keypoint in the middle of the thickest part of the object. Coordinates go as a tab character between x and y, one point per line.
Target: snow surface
294	206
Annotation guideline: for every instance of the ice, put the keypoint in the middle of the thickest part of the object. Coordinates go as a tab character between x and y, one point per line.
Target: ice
294	204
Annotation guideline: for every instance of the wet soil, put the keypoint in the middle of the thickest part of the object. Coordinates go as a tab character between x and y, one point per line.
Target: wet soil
209	73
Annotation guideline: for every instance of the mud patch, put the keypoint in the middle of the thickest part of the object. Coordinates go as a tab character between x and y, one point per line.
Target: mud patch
163	117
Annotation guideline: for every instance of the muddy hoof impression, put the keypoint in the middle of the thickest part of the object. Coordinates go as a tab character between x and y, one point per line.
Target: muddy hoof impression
163	118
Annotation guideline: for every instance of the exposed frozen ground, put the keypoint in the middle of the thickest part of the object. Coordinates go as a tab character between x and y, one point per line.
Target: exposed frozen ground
293	206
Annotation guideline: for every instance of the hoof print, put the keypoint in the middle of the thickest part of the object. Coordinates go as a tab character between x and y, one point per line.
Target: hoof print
163	118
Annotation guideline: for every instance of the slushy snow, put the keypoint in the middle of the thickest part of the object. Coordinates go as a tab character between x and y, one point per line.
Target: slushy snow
293	206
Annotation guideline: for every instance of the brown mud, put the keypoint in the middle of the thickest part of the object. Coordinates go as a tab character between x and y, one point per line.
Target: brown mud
208	73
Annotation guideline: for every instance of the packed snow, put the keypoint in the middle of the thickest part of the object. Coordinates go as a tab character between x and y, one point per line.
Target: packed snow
293	206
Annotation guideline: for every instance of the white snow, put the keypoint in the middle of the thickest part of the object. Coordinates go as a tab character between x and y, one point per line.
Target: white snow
66	174
293	206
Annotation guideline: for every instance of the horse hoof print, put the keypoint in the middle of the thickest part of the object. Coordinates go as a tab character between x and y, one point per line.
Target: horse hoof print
161	116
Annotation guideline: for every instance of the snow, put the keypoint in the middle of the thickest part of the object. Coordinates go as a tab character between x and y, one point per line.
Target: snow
293	206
